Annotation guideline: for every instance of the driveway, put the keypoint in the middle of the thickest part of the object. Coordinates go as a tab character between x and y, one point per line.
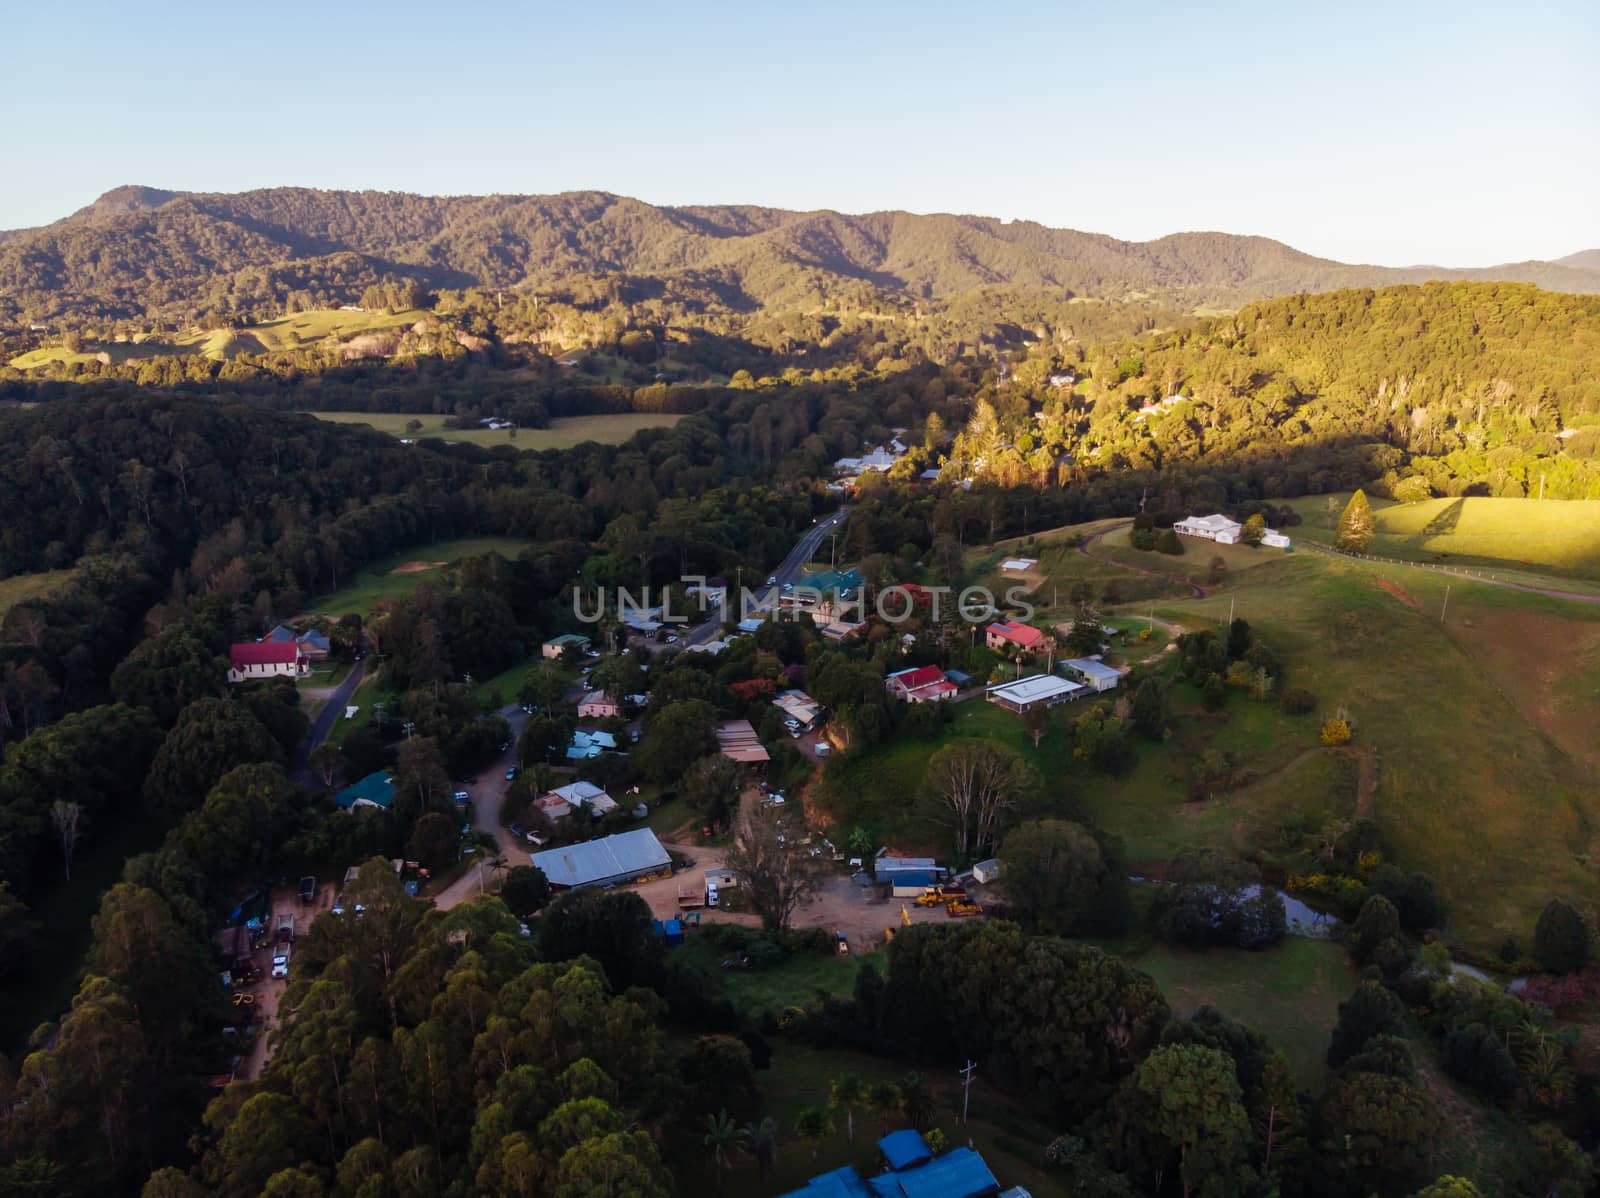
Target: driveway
268	992
332	711
488	791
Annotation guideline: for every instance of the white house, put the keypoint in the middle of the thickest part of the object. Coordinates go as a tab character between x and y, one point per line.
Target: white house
1275	540
266	659
1215	527
556	645
1039	690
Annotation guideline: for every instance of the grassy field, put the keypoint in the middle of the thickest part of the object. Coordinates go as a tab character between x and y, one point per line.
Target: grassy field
290	332
1290	994
379	583
1559	537
20	587
564	432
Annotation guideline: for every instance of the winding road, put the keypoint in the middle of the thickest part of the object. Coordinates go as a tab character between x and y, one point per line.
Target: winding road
332	711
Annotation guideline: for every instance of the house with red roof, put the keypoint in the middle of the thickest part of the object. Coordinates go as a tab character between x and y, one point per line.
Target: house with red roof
267	659
1003	635
922	684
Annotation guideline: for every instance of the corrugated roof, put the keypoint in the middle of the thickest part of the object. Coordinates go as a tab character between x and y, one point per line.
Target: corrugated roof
612	857
959	1173
376	788
904	1148
1035	688
1090	668
264	653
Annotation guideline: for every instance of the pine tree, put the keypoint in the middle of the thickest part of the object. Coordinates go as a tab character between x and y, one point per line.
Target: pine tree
1356	528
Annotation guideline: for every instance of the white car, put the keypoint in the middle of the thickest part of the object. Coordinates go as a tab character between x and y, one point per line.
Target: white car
711	895
280	963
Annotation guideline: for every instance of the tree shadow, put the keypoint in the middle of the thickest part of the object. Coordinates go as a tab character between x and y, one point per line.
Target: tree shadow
1443	524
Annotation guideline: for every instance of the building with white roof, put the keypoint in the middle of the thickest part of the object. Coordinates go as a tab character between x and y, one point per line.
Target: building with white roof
1094	674
1216	527
1037	690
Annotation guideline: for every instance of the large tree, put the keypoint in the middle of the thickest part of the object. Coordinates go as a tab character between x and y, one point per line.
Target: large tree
980	784
775	871
1060	880
1356	527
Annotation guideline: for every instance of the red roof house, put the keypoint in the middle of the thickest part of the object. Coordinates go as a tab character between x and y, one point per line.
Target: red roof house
1003	633
923	684
266	659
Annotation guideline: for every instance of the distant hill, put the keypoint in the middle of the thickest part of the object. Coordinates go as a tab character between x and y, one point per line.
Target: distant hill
140	251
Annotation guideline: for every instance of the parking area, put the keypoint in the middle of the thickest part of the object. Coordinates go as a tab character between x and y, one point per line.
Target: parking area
262	1010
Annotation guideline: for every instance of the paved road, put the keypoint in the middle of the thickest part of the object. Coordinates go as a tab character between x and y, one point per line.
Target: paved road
488	791
1200	592
331	712
789	571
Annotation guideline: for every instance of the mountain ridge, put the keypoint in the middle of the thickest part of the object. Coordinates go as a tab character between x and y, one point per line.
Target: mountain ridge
140	251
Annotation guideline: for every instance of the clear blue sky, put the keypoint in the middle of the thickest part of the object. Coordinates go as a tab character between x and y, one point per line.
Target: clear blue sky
1455	133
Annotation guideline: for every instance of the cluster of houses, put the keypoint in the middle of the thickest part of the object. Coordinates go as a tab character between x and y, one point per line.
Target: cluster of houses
1223	531
561	802
880	459
494	422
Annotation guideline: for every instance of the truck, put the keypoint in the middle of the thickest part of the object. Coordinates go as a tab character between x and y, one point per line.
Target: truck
285	934
691	896
308	889
280	959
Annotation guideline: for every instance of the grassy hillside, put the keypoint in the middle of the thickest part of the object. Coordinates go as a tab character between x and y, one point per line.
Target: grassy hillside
20	587
564	431
1474	750
1556	537
397	576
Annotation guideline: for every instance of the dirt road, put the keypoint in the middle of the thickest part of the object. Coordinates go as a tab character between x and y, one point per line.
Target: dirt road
488	791
1199	591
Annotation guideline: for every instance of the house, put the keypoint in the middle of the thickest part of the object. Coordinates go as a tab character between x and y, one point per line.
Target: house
1273	539
586	744
597	705
911	1170
1038	690
316	645
923	684
266	659
608	861
375	790
1216	527
986	871
1004	634
737	741
751	624
1095	675
1018	565
800	707
557	645
930	475
558	803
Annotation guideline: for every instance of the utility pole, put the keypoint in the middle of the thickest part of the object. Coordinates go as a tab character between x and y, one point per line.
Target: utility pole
1231	602
1443	607
1541	486
966	1086
833	549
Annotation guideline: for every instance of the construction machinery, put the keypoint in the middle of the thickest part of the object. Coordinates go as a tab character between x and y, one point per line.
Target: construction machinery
961	908
936	896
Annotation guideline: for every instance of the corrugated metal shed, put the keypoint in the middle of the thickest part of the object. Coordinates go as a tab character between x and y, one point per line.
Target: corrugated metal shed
959	1173
610	859
905	1148
841	1183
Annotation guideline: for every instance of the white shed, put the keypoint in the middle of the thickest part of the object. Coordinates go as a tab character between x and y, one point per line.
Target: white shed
986	871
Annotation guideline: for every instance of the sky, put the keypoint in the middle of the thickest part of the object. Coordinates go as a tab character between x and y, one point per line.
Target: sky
1459	134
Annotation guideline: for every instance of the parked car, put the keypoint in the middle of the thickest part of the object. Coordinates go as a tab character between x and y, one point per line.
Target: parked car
518	831
511	774
711	895
461	796
280	961
308	889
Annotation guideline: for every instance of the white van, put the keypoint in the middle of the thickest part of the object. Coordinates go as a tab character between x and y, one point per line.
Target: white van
711	894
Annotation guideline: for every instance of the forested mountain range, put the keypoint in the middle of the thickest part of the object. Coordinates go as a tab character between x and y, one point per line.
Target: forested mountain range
144	252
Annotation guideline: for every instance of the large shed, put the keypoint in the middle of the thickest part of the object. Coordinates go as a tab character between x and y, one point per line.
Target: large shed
604	862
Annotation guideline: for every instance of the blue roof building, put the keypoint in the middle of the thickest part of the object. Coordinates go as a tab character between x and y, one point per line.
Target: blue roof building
913	1172
375	790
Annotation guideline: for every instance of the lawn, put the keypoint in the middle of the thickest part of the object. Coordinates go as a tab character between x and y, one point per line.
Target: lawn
379	583
564	432
1290	994
793	983
21	587
1526	536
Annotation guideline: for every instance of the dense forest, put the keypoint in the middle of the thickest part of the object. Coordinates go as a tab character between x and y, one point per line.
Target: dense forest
144	253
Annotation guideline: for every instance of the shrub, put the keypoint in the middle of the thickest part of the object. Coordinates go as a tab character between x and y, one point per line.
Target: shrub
1168	542
1335	732
1561	939
1297	701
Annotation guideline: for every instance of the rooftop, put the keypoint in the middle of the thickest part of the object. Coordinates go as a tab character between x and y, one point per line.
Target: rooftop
1034	688
623	855
1090	668
1018	634
375	790
264	653
737	739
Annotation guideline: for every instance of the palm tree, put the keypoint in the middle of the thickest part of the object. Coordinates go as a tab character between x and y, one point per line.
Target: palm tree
498	863
886	1100
916	1100
815	1124
761	1142
848	1092
721	1138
